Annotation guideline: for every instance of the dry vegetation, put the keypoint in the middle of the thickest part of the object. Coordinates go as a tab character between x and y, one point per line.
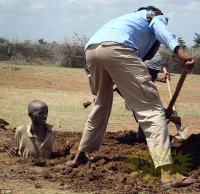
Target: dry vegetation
71	54
65	89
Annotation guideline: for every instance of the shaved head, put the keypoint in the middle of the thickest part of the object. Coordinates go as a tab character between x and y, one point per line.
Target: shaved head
36	105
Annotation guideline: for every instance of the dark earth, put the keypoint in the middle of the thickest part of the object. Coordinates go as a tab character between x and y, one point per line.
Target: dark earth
122	165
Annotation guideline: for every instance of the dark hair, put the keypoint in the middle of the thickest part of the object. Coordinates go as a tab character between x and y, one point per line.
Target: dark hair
151	8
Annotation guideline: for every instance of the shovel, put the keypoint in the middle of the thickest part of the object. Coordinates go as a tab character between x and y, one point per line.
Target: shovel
181	132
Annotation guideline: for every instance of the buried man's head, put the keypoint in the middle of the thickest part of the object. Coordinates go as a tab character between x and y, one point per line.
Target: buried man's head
38	111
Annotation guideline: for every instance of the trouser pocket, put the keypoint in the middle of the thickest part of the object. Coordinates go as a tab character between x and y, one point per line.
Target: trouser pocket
147	86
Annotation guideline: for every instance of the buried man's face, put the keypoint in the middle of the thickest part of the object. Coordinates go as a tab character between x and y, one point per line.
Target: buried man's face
39	114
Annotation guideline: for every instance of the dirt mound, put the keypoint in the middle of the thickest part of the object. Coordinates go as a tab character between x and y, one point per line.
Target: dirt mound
3	123
122	165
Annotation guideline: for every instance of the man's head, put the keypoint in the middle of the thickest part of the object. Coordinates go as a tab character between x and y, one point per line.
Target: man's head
153	9
38	112
151	12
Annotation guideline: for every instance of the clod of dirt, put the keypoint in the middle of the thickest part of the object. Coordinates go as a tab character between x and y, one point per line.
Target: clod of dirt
38	162
62	183
37	185
112	166
94	177
47	175
122	179
67	171
3	124
101	162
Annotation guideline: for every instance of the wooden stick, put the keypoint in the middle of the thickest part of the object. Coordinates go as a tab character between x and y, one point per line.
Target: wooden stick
169	87
178	89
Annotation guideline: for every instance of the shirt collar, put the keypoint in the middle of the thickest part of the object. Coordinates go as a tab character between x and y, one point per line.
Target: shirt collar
49	127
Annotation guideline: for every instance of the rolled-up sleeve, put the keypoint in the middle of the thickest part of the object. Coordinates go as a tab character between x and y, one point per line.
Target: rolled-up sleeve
18	140
18	136
163	34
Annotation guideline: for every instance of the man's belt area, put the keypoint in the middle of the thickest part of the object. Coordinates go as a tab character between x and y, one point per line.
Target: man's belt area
152	51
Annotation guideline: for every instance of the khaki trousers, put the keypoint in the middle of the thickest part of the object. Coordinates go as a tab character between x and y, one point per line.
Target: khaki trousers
110	62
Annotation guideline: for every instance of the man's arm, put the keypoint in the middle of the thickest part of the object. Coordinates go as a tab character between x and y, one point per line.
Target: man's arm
14	151
163	34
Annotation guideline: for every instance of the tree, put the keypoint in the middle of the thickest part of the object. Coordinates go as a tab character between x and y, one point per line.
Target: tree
27	41
41	41
3	41
182	43
196	40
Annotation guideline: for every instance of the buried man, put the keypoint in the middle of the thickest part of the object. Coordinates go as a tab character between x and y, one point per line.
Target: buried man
36	140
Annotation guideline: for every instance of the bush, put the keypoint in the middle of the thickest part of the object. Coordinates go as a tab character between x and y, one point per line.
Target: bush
71	53
171	61
68	54
5	50
196	53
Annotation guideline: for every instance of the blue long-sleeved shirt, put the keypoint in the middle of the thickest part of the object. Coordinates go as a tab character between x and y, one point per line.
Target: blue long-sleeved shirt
134	31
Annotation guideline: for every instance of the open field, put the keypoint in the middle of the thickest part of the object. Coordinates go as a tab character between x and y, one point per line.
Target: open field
65	90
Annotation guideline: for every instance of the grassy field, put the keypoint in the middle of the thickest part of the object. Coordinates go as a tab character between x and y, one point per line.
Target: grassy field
64	90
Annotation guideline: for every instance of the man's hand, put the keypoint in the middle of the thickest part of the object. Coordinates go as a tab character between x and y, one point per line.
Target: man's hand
163	77
66	148
168	113
186	60
167	76
14	151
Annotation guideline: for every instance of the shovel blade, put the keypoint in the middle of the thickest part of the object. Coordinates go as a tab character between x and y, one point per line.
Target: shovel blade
182	133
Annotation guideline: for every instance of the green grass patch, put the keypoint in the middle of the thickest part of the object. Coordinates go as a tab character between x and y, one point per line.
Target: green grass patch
188	111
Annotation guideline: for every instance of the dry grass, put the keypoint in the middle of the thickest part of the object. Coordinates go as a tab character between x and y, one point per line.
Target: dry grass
64	90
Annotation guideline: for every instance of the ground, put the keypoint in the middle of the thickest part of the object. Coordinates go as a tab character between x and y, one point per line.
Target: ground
108	171
122	165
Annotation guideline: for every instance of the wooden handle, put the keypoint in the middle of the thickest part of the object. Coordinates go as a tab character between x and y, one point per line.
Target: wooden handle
169	87
178	89
168	83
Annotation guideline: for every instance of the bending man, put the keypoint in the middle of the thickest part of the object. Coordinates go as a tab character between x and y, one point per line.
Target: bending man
116	53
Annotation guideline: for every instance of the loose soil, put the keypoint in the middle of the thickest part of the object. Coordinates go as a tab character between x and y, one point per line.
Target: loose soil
108	170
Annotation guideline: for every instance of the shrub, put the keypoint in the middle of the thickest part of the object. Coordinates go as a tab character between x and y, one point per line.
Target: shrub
71	53
171	61
5	50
